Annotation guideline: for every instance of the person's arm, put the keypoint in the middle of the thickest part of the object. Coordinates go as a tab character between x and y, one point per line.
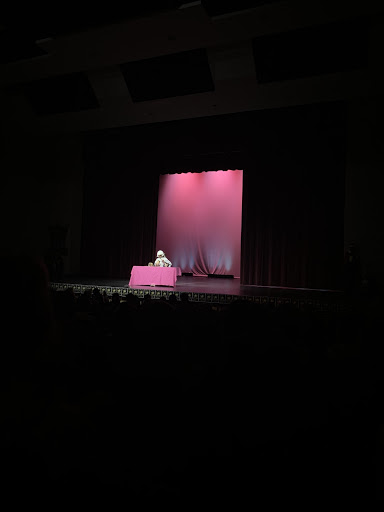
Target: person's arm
167	262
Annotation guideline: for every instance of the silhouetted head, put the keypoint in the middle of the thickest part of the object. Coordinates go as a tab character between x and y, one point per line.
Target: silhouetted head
115	298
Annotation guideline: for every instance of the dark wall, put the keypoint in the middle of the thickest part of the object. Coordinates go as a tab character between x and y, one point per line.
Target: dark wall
41	186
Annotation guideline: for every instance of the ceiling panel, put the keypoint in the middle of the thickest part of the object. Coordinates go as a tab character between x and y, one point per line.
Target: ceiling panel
168	76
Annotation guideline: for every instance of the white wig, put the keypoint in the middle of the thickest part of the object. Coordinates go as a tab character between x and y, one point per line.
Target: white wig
160	254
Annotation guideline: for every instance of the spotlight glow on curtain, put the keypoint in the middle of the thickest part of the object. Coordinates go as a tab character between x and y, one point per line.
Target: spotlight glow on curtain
199	221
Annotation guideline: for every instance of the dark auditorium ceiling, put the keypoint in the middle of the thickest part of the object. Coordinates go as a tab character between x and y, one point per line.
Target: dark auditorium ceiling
68	71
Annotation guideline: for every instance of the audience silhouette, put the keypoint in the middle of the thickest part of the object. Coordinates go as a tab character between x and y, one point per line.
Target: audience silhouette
147	399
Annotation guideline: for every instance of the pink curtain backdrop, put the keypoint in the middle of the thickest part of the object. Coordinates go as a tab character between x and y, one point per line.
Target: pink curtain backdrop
199	221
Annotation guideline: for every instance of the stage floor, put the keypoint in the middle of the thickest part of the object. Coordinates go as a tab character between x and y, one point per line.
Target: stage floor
209	289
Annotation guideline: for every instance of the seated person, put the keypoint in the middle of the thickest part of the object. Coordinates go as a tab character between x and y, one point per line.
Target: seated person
162	260
150	264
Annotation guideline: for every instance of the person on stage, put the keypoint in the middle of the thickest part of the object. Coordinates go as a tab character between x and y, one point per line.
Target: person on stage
162	260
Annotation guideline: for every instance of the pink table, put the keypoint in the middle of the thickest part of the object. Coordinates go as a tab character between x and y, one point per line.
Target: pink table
154	276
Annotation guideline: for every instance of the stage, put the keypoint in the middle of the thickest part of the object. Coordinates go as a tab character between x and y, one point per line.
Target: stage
215	290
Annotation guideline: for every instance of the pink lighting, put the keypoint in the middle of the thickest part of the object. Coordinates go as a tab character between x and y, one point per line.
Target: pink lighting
199	221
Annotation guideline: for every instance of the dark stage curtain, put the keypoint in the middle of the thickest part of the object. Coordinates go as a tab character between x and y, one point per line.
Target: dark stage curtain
119	206
293	201
293	162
